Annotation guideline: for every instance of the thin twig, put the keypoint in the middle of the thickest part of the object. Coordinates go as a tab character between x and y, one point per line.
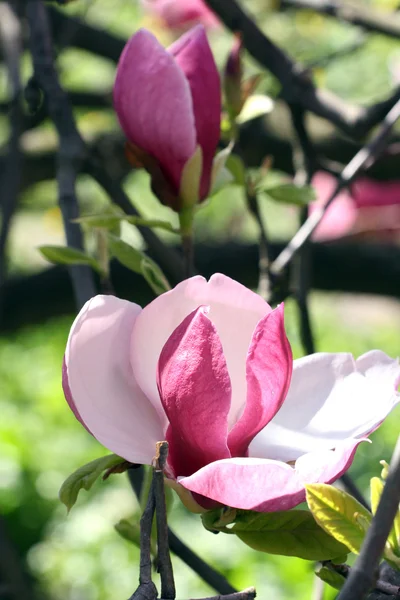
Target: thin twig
164	563
188	254
212	577
368	153
363	575
247	594
377	22
71	150
264	281
146	590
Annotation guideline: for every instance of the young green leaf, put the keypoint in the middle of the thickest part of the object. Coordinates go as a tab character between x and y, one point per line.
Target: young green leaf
289	533
84	478
376	487
127	255
235	165
154	276
110	221
289	193
63	255
330	577
339	514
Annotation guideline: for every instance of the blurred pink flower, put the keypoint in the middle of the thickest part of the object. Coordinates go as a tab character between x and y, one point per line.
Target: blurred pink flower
169	102
182	14
208	367
370	207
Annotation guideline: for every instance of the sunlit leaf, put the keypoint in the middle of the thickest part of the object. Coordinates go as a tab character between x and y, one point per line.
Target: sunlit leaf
330	577
235	165
376	487
63	255
255	106
154	276
84	478
289	533
110	221
288	193
339	514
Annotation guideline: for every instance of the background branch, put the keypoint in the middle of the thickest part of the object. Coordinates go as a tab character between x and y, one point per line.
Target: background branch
368	19
365	571
71	148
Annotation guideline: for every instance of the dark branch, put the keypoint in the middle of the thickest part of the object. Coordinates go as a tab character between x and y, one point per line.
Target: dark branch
387	24
71	150
10	40
164	564
345	267
297	86
365	571
362	158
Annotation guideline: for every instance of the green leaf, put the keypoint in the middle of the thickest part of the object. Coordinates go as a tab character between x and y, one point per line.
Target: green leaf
108	221
376	487
255	106
288	193
154	276
235	165
137	261
339	514
289	533
85	477
127	255
129	529
330	577
63	255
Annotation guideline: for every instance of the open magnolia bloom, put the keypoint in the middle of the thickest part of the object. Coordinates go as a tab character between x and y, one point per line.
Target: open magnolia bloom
208	367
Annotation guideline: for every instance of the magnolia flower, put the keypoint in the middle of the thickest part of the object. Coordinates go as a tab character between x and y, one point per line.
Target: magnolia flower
169	105
369	207
208	367
180	14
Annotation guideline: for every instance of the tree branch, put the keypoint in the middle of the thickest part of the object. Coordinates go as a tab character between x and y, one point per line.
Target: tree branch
362	158
71	147
364	573
297	86
10	40
387	24
340	266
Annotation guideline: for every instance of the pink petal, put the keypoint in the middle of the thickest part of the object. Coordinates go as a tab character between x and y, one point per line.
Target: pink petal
268	372
182	13
340	218
248	483
193	54
268	485
325	387
328	465
367	192
234	311
68	395
195	391
154	104
101	382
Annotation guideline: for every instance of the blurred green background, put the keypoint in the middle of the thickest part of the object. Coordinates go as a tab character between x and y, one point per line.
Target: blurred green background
80	556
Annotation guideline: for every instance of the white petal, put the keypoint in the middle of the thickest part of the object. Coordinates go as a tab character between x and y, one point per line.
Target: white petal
331	398
102	384
235	312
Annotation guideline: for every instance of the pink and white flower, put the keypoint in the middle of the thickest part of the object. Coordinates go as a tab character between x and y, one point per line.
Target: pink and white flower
169	105
369	208
208	367
182	14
